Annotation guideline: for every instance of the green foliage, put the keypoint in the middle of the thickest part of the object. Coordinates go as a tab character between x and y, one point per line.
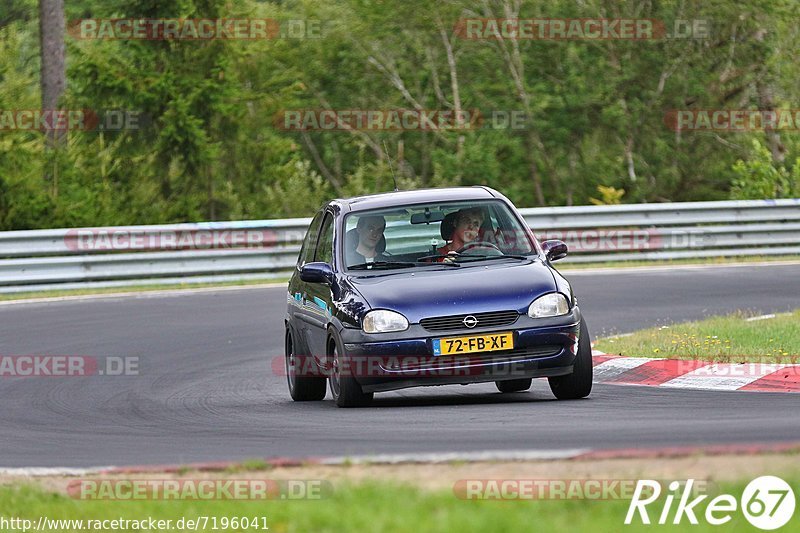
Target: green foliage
608	196
295	190
760	177
210	150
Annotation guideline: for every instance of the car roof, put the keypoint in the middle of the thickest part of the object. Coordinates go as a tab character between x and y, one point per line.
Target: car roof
401	198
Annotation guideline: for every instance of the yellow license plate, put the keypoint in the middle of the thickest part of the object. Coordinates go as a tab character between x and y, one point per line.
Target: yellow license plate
472	344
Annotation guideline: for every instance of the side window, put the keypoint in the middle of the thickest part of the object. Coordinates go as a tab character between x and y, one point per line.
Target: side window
325	245
310	242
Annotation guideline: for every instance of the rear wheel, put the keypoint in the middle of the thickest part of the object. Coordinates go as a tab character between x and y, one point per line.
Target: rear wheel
301	388
345	389
579	383
514	385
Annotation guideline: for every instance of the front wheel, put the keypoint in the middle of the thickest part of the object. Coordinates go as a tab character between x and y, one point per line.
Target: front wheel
345	389
579	383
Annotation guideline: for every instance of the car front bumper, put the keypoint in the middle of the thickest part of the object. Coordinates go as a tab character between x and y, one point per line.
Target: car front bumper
390	361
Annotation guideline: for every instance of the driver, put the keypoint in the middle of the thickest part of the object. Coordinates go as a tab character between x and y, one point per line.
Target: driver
467	229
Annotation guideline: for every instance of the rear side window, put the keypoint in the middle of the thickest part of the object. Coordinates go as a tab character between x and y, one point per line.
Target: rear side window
325	245
310	242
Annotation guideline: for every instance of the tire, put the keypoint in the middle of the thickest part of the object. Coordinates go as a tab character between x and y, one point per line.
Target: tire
345	389
301	388
579	383
514	385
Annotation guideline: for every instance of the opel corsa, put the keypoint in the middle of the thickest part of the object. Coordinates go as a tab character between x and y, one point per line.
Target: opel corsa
430	287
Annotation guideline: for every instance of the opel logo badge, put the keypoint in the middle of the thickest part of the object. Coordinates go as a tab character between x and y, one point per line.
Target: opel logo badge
470	321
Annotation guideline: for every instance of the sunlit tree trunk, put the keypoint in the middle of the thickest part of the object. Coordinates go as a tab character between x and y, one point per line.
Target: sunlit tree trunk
53	70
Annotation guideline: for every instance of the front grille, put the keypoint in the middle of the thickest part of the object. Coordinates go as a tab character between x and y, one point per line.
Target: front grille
450	361
485	320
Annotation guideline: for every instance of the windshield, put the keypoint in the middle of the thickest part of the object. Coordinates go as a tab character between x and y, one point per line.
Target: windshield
450	232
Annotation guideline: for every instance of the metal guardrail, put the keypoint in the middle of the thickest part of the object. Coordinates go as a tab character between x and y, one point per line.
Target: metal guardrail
267	249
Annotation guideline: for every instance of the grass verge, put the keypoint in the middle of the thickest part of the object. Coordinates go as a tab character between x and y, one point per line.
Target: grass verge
371	506
732	338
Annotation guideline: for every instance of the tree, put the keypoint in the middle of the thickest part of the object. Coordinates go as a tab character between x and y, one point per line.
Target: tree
53	53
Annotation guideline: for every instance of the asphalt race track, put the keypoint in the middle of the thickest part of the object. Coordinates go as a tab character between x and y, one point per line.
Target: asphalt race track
206	390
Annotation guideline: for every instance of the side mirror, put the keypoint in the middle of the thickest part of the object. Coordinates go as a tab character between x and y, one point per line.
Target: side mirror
554	249
317	273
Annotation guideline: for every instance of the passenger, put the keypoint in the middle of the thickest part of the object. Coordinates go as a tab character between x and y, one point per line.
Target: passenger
371	242
467	226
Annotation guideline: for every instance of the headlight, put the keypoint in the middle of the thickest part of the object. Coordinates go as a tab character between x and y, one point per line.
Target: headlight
553	304
382	321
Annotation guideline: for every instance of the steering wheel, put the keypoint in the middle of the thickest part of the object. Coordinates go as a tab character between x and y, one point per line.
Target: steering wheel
479	244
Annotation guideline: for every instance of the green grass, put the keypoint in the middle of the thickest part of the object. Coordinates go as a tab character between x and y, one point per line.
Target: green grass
725	339
249	465
372	507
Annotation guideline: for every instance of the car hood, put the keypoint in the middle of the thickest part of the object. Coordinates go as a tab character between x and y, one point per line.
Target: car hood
499	286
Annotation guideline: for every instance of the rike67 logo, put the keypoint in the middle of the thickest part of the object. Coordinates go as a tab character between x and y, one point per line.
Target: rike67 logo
767	502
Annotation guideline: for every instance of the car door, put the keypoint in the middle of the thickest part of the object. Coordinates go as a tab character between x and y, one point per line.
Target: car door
319	298
299	313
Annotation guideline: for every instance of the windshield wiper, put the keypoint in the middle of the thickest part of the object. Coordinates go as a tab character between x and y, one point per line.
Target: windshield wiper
483	257
458	257
382	264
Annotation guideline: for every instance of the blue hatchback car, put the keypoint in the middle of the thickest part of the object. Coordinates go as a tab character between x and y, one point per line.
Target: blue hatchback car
430	287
